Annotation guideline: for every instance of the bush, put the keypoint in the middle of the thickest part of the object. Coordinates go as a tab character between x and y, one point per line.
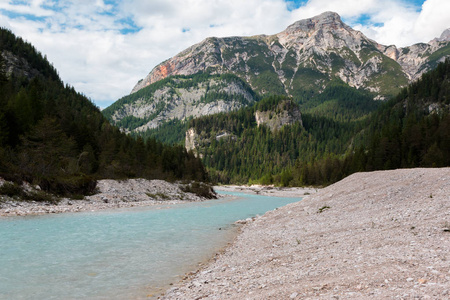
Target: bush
200	189
15	190
11	190
40	196
70	186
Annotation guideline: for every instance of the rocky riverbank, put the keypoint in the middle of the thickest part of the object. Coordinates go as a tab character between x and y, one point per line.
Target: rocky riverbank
378	235
269	190
111	194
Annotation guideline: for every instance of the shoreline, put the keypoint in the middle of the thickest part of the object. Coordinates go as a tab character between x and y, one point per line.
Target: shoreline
129	193
383	234
288	192
111	194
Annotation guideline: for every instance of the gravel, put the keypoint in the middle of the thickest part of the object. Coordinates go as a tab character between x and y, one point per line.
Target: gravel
376	235
111	194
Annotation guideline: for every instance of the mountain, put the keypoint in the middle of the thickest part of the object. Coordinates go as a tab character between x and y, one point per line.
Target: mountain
309	52
56	138
300	62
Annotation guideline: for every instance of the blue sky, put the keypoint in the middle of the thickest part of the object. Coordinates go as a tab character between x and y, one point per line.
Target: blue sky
103	47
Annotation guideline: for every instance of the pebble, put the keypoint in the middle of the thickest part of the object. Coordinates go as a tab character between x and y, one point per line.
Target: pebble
422	281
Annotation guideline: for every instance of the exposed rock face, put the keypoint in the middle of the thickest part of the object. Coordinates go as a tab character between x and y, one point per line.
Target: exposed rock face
323	44
17	66
181	99
286	114
191	142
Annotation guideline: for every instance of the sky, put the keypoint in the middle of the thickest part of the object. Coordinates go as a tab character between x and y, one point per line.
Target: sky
103	47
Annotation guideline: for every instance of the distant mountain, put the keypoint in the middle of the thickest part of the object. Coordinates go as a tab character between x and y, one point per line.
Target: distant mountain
300	61
56	138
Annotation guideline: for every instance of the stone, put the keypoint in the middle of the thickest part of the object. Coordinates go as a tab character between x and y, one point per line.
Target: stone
422	281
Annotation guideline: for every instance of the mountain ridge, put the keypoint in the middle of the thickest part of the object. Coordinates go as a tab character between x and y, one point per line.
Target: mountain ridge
312	36
301	62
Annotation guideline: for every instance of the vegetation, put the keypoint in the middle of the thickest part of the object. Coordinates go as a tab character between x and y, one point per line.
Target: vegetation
56	138
411	130
170	132
252	153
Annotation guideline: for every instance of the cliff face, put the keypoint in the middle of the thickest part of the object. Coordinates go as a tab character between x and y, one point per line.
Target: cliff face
284	114
180	98
17	66
191	142
307	55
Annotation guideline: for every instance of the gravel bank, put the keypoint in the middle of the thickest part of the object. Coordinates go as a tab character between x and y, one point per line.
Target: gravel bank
268	190
111	194
378	235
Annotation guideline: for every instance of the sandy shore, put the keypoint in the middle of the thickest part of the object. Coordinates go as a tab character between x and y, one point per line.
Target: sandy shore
378	235
111	194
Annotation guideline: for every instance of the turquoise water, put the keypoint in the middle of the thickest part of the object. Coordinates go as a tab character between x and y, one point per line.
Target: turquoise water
117	254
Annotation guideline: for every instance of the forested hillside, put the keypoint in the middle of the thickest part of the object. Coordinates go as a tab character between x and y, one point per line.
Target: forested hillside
411	130
341	131
54	137
236	150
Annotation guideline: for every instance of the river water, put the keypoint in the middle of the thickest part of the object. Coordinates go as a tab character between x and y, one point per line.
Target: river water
117	254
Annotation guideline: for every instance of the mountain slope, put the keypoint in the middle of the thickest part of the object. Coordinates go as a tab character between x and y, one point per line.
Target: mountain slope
410	130
264	141
179	97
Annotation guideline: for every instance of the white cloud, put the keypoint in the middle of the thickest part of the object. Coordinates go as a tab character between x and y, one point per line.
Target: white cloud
84	41
433	19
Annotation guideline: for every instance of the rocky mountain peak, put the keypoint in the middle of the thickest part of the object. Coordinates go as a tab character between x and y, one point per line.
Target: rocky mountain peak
327	19
323	32
323	44
445	36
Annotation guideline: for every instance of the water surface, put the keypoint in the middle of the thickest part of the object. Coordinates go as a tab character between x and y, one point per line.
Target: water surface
117	254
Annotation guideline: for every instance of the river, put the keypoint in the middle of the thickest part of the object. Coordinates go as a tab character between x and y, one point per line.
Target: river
118	254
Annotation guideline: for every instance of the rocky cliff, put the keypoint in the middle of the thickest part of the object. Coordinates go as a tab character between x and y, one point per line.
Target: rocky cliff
17	66
179	98
285	114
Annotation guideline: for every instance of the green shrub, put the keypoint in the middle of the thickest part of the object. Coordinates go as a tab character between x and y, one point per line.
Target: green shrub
200	189
41	196
11	190
69	186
